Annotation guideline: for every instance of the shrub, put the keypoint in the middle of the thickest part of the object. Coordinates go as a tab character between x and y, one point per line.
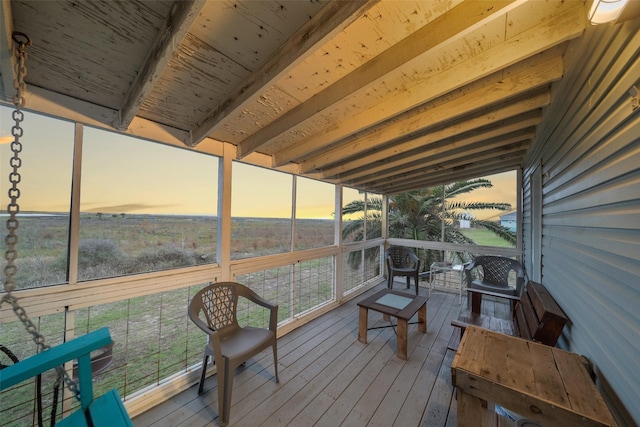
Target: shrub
163	257
37	271
93	252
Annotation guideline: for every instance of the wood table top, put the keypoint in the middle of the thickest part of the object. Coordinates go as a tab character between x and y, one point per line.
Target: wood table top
405	313
532	379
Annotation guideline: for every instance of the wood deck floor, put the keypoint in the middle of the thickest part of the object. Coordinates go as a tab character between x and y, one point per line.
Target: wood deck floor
329	378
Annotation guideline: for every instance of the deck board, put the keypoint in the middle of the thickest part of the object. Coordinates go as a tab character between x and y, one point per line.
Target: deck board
389	407
329	378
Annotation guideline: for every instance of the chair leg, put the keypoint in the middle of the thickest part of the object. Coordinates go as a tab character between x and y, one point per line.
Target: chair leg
416	279
224	393
408	281
221	377
204	372
390	281
275	360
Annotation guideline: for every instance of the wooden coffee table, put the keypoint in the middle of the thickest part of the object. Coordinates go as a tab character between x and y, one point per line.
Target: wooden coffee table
544	384
397	304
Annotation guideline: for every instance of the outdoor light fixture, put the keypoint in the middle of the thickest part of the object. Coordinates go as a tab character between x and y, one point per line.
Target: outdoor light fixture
603	11
635	97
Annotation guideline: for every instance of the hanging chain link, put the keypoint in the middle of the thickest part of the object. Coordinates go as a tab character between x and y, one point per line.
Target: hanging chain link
13	209
15	162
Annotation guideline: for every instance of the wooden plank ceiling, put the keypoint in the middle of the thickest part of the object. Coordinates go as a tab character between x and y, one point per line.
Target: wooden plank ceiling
385	96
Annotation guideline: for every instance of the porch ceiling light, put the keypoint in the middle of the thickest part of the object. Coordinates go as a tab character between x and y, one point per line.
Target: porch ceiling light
603	11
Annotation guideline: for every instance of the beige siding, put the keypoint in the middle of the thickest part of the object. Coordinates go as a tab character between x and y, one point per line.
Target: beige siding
589	148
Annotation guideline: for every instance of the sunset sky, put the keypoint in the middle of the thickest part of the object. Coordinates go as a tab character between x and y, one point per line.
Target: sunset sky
173	182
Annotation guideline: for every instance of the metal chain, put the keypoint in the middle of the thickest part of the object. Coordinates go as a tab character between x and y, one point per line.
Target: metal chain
13	209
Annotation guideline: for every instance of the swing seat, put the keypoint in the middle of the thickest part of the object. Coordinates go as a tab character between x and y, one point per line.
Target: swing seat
107	410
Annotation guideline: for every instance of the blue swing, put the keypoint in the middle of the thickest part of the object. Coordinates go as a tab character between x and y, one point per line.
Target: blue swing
107	410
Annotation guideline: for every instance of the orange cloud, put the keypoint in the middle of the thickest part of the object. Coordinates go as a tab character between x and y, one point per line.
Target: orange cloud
7	139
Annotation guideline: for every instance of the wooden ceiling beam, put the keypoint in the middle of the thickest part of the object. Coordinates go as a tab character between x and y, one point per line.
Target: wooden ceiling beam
497	114
169	37
459	21
469	171
539	73
523	121
501	152
325	24
459	176
477	149
568	24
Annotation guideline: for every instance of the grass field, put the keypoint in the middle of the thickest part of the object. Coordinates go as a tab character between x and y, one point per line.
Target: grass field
485	237
153	336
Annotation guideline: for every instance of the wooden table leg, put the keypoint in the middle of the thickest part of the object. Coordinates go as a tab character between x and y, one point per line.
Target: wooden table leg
362	324
422	319
402	339
474	412
476	302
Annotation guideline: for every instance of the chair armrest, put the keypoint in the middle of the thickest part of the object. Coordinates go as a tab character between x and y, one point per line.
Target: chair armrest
252	296
257	299
415	259
195	318
77	348
519	286
468	267
273	319
471	265
476	297
214	336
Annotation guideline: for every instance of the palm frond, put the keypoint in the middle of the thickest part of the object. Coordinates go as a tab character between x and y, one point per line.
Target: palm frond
418	215
498	230
479	205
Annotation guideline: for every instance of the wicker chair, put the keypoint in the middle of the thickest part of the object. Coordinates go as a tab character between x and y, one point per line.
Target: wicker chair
495	274
229	344
402	261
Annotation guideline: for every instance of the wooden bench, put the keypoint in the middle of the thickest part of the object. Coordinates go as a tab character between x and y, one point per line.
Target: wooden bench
536	316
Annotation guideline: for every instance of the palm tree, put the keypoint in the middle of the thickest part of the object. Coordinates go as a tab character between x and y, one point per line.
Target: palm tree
418	215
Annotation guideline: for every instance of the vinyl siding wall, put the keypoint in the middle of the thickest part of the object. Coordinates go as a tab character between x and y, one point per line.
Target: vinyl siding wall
589	152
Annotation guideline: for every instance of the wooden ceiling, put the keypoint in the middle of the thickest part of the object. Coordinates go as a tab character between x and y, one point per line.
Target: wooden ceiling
385	96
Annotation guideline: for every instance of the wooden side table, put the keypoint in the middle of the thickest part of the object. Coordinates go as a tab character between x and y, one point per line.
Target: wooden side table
544	384
400	305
